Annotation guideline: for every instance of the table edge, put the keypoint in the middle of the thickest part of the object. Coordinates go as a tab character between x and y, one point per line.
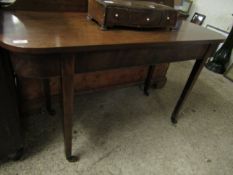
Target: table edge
72	49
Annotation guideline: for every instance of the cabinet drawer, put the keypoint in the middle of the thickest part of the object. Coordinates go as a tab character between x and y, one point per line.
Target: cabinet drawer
117	16
169	18
144	18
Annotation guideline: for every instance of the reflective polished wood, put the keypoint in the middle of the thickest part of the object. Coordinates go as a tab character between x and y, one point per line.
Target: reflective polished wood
35	32
50	5
52	44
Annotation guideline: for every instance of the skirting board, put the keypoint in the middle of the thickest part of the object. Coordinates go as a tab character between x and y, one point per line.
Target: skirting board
229	73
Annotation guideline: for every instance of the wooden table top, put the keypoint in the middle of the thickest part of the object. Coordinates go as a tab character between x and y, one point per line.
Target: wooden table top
51	32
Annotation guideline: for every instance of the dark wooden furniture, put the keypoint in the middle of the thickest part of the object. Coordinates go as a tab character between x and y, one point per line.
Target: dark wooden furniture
62	5
131	13
11	141
35	92
43	45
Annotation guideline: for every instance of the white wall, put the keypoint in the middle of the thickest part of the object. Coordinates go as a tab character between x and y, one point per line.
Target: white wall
218	13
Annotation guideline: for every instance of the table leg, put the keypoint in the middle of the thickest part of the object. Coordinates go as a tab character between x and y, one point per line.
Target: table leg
148	79
188	87
67	80
198	66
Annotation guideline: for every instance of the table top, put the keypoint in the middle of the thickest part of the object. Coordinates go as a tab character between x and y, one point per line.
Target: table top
51	32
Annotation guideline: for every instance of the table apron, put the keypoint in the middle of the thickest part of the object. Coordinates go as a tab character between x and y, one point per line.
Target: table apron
49	65
99	60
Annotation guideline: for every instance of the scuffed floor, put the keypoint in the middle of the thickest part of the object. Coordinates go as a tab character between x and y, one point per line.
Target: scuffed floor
123	132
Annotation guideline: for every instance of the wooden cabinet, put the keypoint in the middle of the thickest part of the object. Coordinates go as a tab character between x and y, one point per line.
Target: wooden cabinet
130	13
11	141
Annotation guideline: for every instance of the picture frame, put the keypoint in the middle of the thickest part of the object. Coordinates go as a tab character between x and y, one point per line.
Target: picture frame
198	18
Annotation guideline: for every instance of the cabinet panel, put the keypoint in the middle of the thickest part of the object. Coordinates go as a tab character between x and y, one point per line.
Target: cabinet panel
10	131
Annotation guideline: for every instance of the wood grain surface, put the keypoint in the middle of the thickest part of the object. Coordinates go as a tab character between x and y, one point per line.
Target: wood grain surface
35	32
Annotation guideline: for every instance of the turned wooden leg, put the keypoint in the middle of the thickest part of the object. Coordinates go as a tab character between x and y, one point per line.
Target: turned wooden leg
199	64
159	78
67	80
47	93
148	79
18	94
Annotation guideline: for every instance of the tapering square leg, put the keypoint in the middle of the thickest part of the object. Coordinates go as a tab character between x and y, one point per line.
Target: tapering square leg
197	68
67	81
187	89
